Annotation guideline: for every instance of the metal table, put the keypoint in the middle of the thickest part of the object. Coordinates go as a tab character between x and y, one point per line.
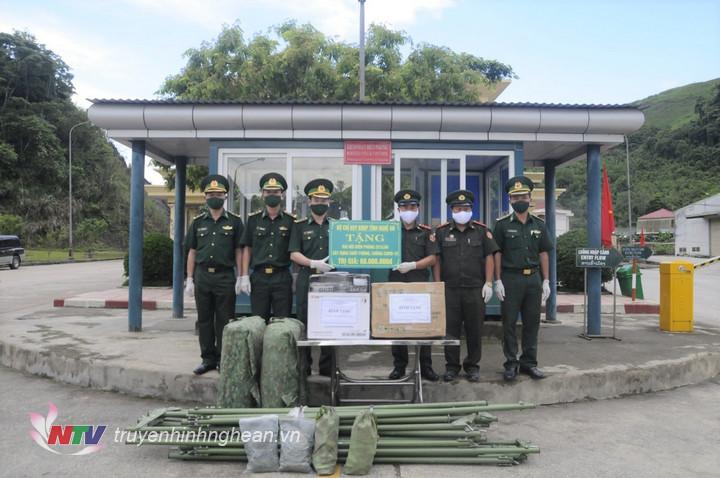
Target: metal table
339	380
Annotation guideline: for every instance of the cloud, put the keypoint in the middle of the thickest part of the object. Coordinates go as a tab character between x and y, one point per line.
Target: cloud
337	18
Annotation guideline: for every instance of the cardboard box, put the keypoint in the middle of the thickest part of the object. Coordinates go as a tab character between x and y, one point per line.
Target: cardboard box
408	310
338	316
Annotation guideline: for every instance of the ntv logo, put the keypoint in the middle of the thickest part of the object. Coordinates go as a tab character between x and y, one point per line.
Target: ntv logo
46	434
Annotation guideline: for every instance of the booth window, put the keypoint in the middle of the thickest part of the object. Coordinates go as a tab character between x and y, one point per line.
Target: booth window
306	168
244	173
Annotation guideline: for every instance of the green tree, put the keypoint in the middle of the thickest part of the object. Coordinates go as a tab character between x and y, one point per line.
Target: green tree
11	225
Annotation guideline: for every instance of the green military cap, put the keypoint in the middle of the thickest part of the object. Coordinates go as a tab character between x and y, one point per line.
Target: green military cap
461	197
321	188
273	181
519	185
407	196
214	183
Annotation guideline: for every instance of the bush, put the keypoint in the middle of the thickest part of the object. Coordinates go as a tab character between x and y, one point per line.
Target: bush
157	260
11	225
570	276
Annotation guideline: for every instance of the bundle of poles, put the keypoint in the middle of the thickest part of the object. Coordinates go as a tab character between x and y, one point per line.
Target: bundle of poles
427	433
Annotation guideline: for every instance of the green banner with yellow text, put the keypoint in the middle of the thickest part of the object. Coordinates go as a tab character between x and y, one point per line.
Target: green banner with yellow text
365	244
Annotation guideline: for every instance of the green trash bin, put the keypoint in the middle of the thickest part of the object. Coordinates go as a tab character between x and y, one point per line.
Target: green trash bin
624	278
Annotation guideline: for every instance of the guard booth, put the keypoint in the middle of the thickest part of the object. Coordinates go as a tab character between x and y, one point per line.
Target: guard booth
435	148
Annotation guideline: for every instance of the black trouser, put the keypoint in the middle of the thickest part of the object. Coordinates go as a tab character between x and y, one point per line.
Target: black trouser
523	295
400	356
464	307
215	303
302	287
271	292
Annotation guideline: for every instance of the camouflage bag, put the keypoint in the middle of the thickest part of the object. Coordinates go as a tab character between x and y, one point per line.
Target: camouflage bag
363	444
327	428
238	386
282	381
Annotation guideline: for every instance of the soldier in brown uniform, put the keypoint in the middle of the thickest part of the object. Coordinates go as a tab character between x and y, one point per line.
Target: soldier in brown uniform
466	266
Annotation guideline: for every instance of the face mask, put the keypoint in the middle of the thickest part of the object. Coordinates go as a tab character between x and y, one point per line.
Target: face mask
462	217
319	209
215	203
408	217
520	206
272	201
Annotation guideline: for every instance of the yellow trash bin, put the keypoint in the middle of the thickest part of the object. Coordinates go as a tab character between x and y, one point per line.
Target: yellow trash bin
676	296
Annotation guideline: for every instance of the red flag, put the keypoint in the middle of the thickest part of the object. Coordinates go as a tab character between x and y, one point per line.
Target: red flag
607	222
642	237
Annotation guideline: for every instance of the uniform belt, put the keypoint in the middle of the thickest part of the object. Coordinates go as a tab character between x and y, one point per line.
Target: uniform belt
214	269
526	272
270	269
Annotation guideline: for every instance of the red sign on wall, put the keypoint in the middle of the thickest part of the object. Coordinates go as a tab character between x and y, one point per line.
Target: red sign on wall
368	152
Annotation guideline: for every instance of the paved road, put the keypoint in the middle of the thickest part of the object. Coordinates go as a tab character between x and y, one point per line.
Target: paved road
675	433
33	286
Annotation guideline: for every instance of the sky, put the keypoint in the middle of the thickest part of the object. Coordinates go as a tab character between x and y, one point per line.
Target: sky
588	51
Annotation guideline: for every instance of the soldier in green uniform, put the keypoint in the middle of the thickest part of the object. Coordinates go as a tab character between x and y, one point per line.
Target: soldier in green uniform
214	256
519	265
309	250
266	240
419	252
466	266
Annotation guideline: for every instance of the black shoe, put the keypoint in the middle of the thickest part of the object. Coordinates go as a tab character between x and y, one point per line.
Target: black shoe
396	374
473	376
534	372
510	374
204	367
450	375
429	374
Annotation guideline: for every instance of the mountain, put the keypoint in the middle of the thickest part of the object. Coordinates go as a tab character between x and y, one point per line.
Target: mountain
674	157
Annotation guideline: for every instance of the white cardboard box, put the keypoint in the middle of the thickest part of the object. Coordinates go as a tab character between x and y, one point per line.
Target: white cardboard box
338	316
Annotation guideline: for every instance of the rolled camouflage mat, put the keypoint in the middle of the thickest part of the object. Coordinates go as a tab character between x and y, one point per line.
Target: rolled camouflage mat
239	383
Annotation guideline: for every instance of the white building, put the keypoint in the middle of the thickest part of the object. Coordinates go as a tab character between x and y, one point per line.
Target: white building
697	228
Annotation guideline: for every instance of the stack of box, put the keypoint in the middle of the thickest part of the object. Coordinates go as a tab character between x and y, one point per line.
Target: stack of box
339	306
408	310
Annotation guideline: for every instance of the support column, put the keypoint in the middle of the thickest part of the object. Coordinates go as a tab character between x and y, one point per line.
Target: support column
594	276
366	191
179	237
550	222
137	216
519	162
213	160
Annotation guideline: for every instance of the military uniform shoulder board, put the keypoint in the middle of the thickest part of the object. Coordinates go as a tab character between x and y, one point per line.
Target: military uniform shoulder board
480	224
504	217
538	218
299	221
425	226
442	225
199	216
255	213
292	216
233	214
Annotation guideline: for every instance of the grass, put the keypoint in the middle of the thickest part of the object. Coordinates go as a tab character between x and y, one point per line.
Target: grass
676	107
39	256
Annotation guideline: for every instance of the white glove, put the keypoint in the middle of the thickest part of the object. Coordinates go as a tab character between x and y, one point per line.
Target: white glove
244	284
500	290
487	292
405	267
321	265
190	286
546	290
238	286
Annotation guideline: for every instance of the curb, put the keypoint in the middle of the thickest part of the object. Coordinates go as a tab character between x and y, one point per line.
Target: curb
636	309
559	387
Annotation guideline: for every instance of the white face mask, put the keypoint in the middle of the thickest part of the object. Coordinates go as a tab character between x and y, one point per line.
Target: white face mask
408	217
462	217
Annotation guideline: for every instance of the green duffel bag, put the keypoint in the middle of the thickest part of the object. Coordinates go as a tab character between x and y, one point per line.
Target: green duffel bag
327	429
282	381
239	384
363	444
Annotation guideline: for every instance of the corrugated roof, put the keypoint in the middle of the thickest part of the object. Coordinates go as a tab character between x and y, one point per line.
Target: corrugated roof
659	214
170	101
